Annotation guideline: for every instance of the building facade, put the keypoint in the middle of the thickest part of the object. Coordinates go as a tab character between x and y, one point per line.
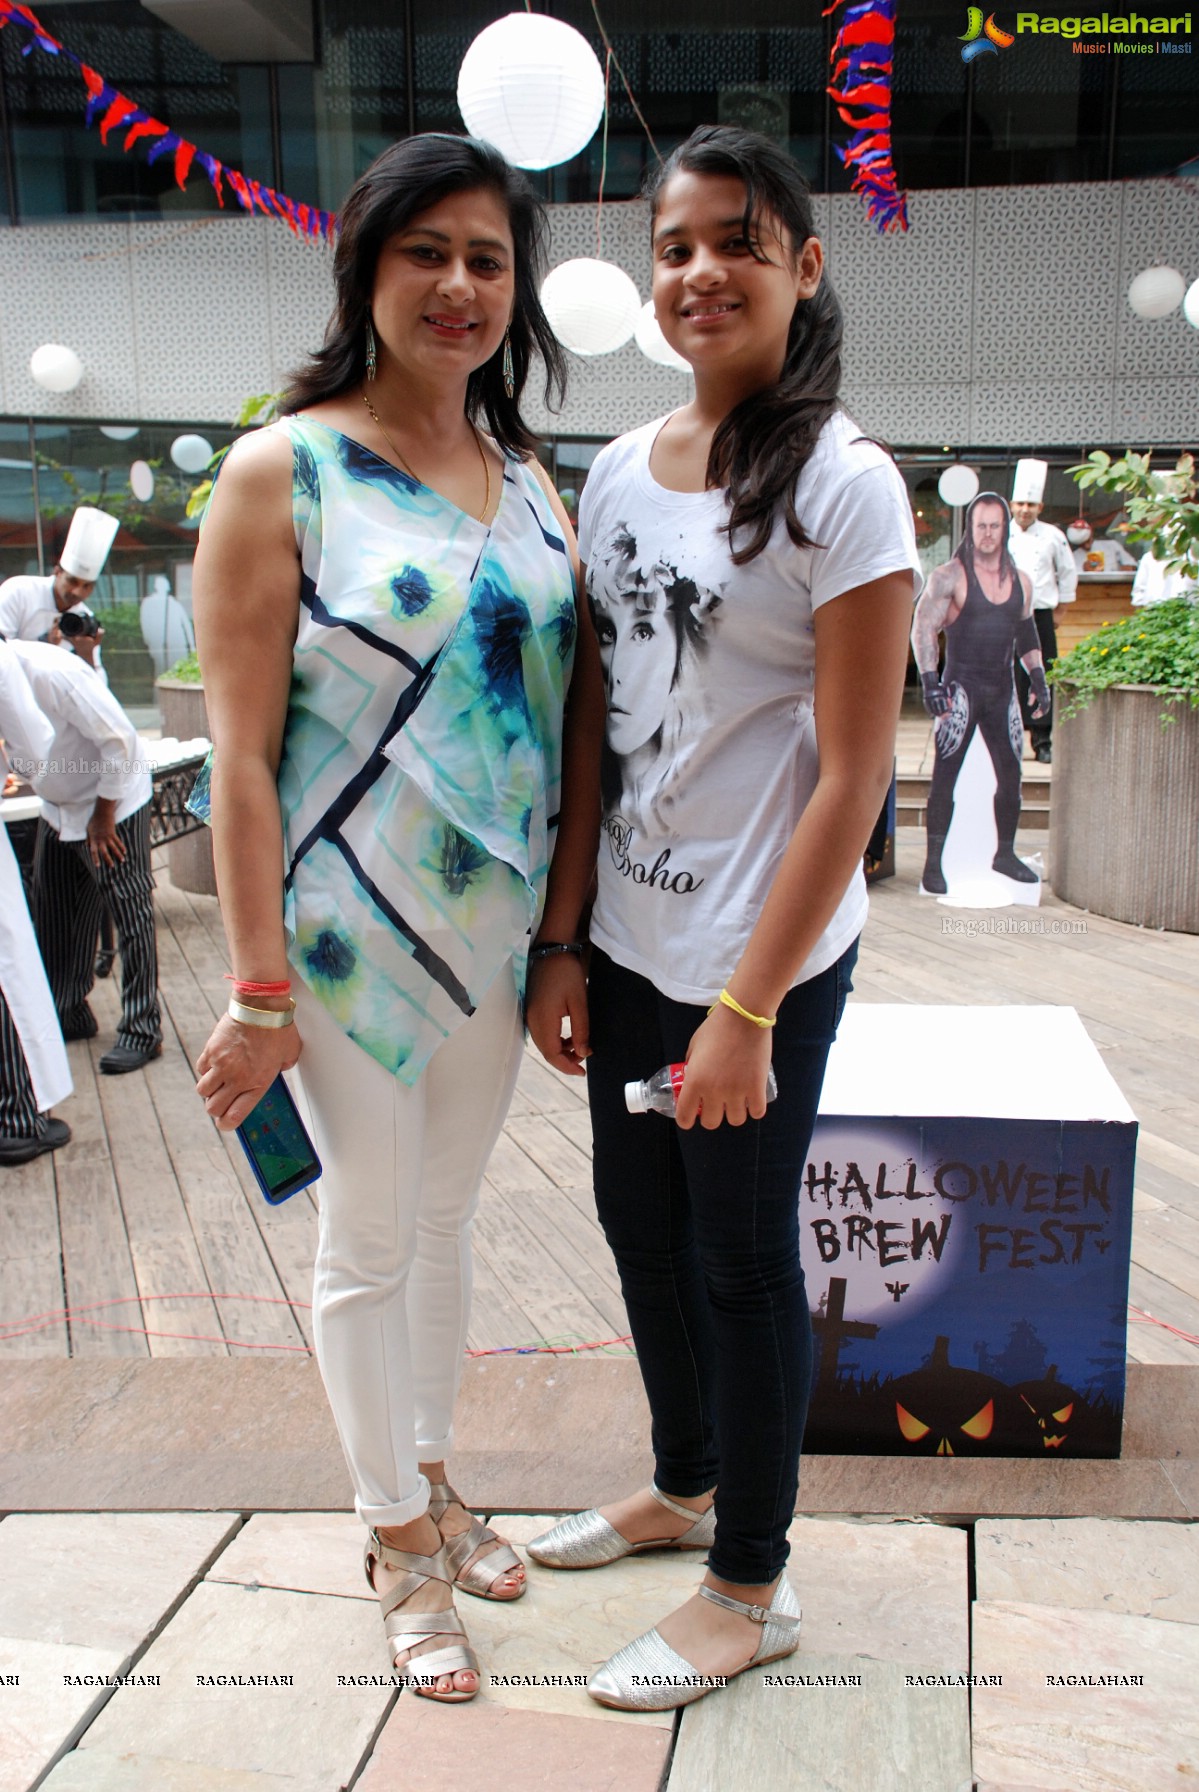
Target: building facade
1041	179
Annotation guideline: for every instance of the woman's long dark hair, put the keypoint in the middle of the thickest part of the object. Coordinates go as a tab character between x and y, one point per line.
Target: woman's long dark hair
408	178
762	446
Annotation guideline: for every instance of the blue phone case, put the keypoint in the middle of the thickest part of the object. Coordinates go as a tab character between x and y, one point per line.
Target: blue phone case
280	1154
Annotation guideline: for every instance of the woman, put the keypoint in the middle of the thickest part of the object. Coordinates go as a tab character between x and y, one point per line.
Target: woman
726	933
652	626
385	612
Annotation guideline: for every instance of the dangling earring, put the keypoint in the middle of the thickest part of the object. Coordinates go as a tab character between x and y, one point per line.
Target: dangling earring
506	365
372	352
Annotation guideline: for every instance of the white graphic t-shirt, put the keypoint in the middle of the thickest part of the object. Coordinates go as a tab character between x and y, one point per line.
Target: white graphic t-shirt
710	756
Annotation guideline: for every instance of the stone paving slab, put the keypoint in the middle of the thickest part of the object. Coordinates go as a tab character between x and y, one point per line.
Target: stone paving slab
482	1747
39	1713
92	1770
1084	1738
299	1552
881	1736
1112	1565
312	1730
66	1578
894	1592
566	1625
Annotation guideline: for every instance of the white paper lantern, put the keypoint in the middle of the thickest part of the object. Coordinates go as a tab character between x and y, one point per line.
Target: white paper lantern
653	344
56	368
118	432
191	454
592	306
958	485
1156	292
141	481
1190	305
533	87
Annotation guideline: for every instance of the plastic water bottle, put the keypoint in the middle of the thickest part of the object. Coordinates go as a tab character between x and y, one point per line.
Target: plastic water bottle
659	1093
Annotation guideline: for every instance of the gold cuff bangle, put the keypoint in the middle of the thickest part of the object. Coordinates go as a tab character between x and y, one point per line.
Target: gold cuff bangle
247	1016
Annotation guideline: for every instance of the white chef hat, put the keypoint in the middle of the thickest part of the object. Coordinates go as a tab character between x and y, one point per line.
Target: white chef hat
1028	487
88	540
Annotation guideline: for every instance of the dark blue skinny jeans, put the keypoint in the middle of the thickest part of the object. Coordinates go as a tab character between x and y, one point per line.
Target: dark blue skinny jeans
704	1227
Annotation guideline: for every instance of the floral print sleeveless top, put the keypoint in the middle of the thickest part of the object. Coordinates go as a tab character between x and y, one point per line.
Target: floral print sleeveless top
419	780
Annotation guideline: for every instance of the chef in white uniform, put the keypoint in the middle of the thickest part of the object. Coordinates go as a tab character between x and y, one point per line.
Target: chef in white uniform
93	853
32	608
33	1060
1043	552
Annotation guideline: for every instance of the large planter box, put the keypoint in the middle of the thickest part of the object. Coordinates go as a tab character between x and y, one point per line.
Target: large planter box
185	716
1124	809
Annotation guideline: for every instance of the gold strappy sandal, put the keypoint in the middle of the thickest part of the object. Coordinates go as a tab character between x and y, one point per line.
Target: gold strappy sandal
478	1577
405	1633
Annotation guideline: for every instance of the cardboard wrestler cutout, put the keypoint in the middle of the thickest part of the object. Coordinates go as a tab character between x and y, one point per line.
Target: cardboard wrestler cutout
983	604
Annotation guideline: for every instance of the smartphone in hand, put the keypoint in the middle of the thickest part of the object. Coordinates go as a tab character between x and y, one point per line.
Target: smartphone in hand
280	1153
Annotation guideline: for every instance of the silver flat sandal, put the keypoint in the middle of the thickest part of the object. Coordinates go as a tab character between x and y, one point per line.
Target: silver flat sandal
585	1540
478	1577
407	1632
648	1675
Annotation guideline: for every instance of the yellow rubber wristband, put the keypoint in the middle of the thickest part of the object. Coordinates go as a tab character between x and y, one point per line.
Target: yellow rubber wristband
725	1000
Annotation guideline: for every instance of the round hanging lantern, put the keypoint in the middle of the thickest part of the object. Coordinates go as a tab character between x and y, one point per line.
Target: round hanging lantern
592	306
653	344
958	485
141	481
191	454
532	86
1156	292
56	368
1079	533
1190	305
119	432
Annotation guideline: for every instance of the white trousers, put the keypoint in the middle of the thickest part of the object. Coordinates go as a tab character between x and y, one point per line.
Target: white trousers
391	1295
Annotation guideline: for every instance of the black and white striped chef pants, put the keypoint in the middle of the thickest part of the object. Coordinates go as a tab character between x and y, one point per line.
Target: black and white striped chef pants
19	1117
70	894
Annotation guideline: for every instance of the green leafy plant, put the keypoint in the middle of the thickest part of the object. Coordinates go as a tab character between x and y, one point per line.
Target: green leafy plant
187	670
1163	508
261	409
1159	646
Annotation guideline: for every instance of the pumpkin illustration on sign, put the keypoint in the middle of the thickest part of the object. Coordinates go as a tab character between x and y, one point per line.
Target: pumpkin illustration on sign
942	1410
1063	1418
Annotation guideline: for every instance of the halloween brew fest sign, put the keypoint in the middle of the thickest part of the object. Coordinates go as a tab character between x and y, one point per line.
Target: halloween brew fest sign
968	1281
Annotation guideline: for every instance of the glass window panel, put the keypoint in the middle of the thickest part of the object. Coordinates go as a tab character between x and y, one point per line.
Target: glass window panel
1039	113
1156	110
360	91
18	530
702	66
79	464
300	173
928	109
63	169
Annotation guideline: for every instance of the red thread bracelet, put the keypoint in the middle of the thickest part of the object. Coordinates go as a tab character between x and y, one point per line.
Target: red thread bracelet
243	988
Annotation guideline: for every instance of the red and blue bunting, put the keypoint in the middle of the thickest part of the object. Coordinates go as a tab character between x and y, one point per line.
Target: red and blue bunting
861	87
117	112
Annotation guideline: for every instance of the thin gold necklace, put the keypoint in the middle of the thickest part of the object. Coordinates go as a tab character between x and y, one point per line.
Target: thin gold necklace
407	466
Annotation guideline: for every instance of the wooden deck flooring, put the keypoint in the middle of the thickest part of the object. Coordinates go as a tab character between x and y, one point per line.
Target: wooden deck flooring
146	1236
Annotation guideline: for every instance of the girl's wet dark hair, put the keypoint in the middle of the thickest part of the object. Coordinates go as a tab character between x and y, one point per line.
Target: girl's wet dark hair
408	178
762	446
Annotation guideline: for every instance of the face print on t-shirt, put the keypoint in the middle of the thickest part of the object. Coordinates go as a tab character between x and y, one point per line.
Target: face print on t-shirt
653	624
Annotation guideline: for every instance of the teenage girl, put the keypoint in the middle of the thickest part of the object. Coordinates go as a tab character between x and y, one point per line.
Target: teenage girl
726	923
